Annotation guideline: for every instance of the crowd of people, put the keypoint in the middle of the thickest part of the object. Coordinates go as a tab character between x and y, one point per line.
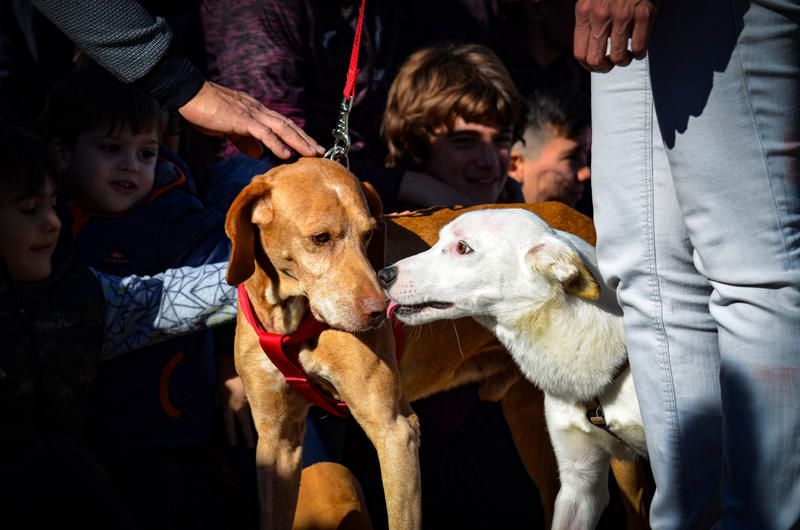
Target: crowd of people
128	129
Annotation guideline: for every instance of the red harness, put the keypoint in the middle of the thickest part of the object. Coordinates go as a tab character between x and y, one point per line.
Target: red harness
284	352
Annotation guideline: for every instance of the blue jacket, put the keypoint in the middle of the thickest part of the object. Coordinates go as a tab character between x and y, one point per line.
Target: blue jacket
162	395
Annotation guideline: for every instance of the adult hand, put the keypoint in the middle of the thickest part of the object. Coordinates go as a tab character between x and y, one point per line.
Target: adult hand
235	408
217	110
598	20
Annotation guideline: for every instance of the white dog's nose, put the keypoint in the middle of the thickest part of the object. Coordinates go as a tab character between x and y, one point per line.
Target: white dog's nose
387	276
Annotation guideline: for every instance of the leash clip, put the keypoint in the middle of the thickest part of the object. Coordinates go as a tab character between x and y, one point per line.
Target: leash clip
341	134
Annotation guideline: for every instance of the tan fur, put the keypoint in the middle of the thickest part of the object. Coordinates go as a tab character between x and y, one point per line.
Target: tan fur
270	224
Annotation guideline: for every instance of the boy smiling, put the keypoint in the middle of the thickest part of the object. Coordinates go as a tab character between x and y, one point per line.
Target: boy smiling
451	117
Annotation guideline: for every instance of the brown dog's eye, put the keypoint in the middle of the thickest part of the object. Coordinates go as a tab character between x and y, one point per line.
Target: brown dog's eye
463	248
368	237
321	238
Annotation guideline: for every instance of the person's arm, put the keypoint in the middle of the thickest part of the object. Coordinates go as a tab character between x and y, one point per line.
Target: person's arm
142	310
597	21
122	37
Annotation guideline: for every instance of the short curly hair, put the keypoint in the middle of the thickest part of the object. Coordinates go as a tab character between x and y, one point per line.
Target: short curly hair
435	86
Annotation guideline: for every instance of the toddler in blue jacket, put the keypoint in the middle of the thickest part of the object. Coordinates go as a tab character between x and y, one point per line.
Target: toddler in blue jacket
133	210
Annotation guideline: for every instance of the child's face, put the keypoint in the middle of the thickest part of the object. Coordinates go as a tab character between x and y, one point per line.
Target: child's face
111	173
558	174
29	229
472	158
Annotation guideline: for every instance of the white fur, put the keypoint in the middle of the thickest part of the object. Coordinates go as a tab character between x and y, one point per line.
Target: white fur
512	280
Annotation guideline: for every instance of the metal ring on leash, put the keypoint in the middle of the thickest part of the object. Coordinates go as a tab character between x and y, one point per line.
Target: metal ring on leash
341	135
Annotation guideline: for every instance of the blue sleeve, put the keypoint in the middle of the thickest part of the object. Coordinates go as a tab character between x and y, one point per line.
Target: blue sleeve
142	310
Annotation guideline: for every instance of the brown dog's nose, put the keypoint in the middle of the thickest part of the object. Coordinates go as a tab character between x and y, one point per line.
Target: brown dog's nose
374	309
387	276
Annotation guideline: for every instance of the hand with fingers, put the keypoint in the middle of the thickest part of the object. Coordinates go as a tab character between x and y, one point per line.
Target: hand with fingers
598	21
217	110
235	408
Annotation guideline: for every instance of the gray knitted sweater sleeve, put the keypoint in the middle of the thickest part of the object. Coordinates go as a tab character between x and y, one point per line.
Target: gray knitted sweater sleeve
122	37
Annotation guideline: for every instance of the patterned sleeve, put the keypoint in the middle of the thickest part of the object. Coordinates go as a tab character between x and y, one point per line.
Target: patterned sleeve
142	310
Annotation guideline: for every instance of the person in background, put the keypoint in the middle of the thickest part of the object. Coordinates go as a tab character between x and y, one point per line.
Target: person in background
451	118
551	162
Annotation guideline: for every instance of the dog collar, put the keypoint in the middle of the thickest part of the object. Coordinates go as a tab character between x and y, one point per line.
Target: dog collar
284	352
594	409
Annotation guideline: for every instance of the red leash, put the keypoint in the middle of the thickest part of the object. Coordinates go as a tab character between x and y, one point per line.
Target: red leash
284	352
352	71
341	134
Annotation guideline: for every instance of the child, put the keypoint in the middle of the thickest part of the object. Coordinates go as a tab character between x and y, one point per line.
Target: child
58	320
133	212
451	117
551	162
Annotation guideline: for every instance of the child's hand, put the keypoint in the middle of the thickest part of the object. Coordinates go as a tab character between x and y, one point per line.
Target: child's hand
235	408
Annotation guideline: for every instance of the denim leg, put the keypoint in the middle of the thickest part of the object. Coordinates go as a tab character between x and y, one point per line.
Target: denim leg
644	251
735	171
699	227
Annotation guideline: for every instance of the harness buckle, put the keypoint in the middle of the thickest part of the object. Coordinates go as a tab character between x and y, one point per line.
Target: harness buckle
341	134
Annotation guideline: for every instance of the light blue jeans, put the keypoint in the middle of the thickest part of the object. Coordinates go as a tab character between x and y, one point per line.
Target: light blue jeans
696	162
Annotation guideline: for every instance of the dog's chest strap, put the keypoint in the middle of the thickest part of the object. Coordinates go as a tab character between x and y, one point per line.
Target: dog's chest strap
284	352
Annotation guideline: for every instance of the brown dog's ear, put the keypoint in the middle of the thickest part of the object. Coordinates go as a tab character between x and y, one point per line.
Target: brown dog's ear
555	259
376	250
374	202
252	205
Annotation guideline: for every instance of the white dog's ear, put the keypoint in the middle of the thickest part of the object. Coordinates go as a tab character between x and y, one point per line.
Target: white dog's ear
556	260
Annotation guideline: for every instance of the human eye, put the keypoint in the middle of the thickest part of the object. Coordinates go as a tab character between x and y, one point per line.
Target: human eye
504	140
148	154
27	206
108	147
462	141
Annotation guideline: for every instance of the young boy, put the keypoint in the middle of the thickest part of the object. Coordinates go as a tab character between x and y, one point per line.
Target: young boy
451	117
551	162
58	320
133	211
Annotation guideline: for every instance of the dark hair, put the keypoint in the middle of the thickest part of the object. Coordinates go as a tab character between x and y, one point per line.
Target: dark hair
89	97
25	165
435	86
567	111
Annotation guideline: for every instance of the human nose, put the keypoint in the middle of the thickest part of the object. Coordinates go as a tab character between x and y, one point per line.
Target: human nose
584	174
50	220
129	160
488	156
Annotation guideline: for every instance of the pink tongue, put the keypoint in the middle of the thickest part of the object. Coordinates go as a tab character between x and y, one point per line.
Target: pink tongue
390	309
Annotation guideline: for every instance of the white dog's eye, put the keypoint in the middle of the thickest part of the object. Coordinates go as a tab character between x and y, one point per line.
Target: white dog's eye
463	248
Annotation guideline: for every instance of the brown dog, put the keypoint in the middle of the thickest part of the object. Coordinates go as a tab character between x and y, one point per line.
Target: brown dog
300	235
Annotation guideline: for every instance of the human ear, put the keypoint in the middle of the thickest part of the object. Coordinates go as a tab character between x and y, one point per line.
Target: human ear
515	165
61	154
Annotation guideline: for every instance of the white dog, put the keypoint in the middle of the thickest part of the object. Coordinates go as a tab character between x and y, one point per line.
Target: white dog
538	290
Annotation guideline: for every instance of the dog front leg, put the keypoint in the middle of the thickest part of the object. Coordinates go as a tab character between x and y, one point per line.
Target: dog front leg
395	435
376	402
279	456
583	467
